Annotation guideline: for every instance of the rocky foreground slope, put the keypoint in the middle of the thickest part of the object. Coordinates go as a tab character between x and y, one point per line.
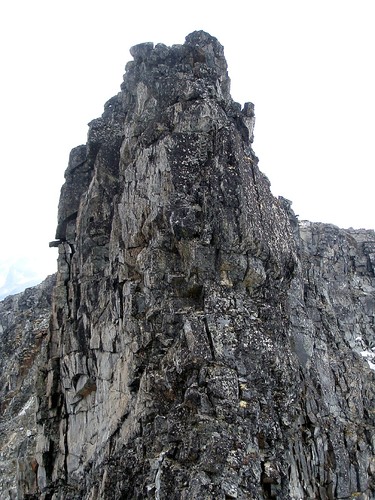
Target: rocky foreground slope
204	343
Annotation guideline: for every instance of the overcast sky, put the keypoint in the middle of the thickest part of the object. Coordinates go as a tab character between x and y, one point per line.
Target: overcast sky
308	66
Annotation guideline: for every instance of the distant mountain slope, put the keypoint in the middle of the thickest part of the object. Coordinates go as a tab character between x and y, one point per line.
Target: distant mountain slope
24	323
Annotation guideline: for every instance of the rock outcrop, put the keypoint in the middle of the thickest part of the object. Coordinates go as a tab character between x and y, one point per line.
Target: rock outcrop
24	325
204	343
332	308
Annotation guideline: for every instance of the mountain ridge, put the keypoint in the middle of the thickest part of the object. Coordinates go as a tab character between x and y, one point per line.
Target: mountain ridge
204	343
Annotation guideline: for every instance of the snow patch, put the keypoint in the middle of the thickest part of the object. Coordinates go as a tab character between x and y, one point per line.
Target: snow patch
370	358
26	407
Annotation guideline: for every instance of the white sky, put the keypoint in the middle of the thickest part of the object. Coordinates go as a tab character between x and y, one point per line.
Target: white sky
308	66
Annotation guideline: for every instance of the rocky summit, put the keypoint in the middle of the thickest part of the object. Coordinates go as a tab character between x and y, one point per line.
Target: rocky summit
204	342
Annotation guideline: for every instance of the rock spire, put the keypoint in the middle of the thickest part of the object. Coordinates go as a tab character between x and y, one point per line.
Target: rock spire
204	343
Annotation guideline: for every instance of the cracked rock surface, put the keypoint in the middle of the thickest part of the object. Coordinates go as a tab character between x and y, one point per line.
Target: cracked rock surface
204	343
24	325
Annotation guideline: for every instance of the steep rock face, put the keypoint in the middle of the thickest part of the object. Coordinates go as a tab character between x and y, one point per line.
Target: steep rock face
332	326
24	324
202	345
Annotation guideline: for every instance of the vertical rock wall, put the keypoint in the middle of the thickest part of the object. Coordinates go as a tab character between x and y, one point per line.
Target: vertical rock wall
201	344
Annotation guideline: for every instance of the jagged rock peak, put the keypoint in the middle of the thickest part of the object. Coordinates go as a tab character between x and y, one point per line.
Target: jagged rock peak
202	342
163	89
196	69
199	47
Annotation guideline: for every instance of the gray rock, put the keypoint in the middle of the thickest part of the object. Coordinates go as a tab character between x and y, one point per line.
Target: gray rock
204	343
24	326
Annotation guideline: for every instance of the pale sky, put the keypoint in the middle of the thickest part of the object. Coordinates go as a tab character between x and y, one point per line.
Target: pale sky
308	66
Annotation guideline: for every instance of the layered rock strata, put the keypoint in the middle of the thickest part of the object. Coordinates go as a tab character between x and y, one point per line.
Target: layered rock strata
203	344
